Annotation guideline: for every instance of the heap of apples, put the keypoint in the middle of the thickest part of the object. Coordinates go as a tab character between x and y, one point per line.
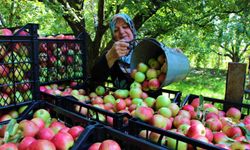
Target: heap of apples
152	74
202	122
65	90
107	144
14	69
134	102
41	132
61	58
225	129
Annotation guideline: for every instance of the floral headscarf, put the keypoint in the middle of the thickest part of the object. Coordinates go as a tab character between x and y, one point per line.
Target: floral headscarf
128	20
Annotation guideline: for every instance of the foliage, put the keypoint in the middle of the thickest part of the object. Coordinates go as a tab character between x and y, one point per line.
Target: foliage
19	13
200	28
206	82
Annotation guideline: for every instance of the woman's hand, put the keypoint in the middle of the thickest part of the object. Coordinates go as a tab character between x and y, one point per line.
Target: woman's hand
118	50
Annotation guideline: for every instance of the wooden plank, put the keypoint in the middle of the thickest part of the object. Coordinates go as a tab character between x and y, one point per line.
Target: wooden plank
235	83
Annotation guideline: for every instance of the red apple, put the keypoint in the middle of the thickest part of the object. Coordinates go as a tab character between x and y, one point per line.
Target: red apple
108	106
219	137
28	128
144	113
120	104
42	145
188	107
75	131
128	101
109	145
184	113
145	85
8	146
234	132
63	141
45	134
174	109
212	115
162	77
6	32
66	129
97	100
198	129
195	102
246	120
233	113
39	122
159	121
209	134
154	84
214	124
95	146
178	120
25	143
56	126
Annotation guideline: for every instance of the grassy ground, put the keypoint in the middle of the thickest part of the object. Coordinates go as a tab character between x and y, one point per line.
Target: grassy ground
205	82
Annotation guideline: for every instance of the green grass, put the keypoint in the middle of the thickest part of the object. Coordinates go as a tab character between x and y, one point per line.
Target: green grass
205	82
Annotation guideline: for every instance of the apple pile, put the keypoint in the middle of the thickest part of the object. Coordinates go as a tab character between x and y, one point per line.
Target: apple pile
65	90
107	144
152	74
224	129
60	58
41	132
15	69
134	102
199	121
11	114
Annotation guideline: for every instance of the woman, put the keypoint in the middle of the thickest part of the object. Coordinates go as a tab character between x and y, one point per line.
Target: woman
116	61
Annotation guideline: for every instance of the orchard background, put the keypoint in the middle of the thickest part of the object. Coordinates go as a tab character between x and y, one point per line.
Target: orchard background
211	33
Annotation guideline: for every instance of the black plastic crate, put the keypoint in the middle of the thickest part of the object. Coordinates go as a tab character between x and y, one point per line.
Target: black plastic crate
116	120
62	59
61	114
19	66
127	142
136	126
219	103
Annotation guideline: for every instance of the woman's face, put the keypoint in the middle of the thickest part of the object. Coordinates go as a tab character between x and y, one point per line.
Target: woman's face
122	31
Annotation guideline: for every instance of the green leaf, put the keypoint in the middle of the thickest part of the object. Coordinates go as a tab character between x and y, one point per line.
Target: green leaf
201	102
